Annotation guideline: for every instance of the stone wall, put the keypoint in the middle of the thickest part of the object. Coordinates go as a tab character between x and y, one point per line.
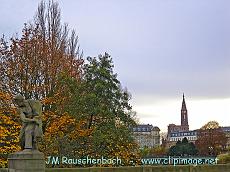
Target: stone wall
207	168
3	170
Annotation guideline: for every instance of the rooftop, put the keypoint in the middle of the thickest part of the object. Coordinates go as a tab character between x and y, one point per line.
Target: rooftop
145	128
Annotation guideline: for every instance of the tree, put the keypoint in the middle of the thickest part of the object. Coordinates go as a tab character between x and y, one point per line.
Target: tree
86	111
9	129
183	148
65	137
211	139
101	101
145	151
158	151
30	64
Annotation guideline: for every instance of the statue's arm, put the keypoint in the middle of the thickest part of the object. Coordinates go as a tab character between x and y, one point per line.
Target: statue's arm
24	119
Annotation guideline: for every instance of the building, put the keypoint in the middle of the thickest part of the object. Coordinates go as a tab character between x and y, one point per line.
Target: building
178	132
226	130
147	135
184	121
176	136
190	135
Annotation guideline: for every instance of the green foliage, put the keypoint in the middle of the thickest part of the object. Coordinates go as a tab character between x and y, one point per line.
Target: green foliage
158	151
145	151
109	97
153	152
224	158
183	148
99	99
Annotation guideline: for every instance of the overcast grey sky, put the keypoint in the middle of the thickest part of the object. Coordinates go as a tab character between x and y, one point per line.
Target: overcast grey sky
160	48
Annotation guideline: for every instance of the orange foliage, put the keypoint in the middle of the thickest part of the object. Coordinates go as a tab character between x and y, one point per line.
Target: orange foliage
61	129
9	129
31	65
211	139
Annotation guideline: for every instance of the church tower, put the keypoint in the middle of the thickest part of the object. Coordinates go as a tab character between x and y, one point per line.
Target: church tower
184	116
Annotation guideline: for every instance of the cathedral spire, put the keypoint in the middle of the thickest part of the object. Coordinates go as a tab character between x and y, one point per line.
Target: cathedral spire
184	114
183	104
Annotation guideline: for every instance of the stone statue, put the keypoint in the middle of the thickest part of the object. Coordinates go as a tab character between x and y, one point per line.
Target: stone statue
30	114
30	158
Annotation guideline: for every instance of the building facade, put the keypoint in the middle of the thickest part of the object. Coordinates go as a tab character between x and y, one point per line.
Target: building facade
176	136
190	135
226	130
147	135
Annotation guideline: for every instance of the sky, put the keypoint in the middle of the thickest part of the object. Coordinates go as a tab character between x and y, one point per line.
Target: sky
160	49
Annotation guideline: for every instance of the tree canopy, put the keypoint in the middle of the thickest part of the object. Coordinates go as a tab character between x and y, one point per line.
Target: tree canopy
183	148
30	64
99	100
211	139
85	109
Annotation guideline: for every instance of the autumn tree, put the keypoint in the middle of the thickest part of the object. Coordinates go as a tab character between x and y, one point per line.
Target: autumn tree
30	64
86	111
9	128
211	139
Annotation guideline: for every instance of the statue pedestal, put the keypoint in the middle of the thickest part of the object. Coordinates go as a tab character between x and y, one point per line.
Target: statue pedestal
26	161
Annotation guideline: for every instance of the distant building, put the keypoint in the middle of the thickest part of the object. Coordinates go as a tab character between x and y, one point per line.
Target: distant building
178	132
190	135
226	130
147	135
184	121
